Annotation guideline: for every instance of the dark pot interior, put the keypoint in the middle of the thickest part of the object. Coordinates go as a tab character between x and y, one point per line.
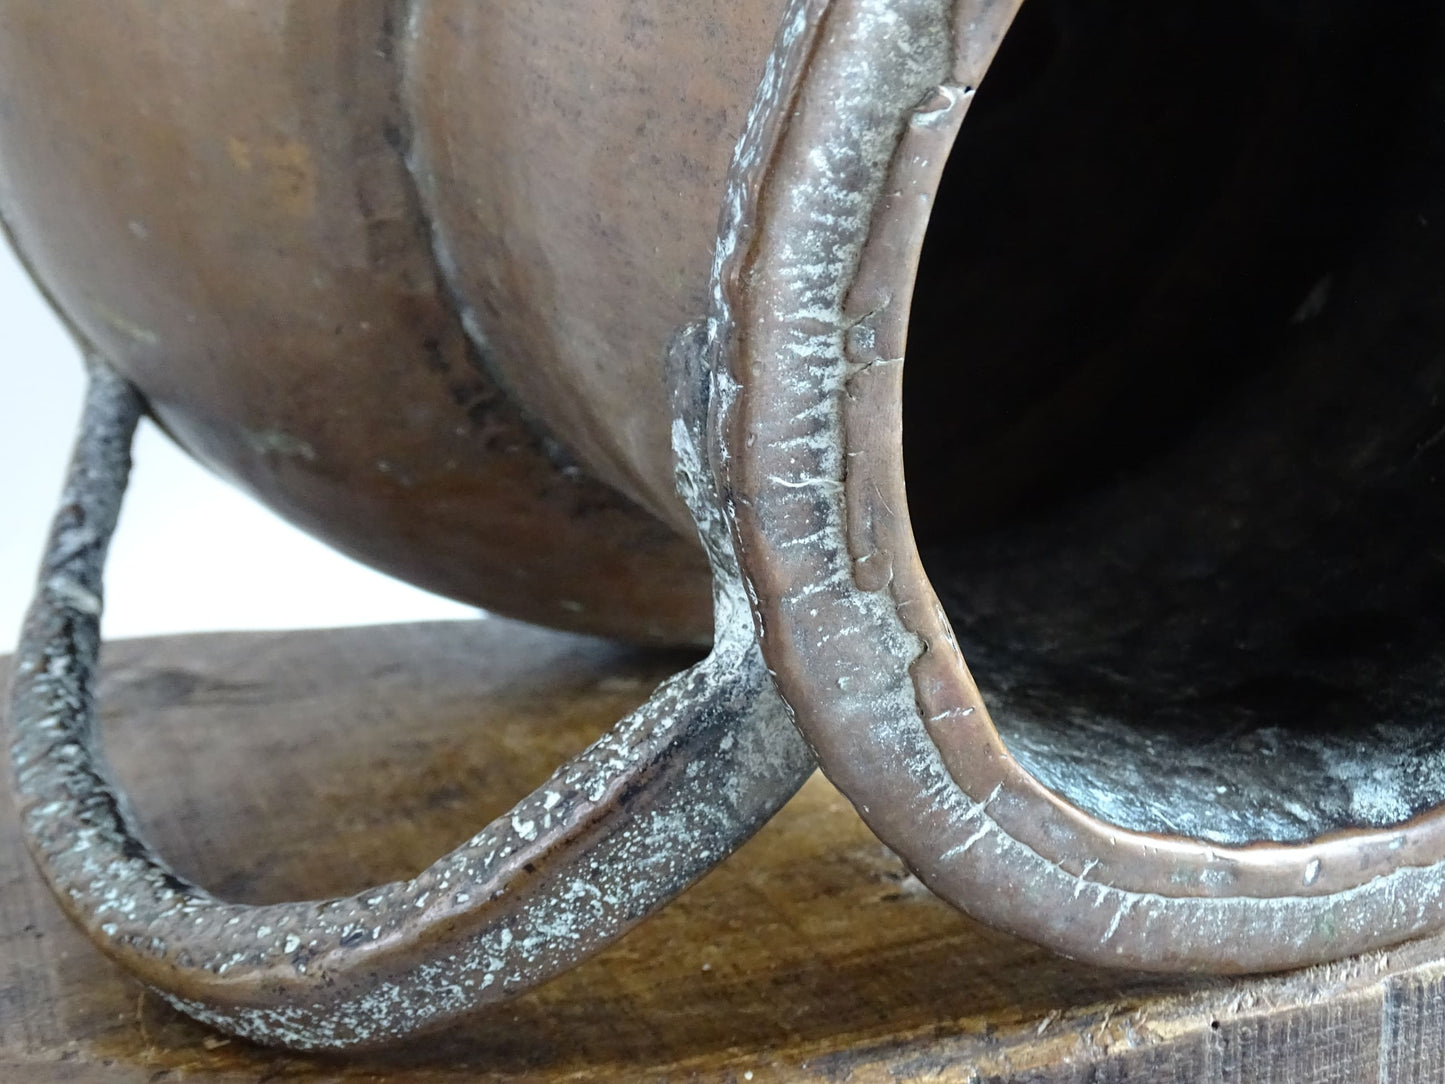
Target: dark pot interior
1175	410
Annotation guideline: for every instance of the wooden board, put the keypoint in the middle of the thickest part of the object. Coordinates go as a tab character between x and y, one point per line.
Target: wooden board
274	766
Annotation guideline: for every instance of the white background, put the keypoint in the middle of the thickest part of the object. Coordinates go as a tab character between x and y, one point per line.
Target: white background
192	554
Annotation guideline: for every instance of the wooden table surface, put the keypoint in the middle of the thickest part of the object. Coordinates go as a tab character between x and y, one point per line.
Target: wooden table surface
273	766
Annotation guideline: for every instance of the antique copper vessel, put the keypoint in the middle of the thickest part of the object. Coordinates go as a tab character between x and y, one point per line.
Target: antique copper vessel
468	287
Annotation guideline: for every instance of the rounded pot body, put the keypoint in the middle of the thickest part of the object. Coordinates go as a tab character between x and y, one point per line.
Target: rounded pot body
408	272
1114	610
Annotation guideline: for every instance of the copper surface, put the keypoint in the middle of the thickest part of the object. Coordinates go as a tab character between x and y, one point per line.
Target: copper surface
226	204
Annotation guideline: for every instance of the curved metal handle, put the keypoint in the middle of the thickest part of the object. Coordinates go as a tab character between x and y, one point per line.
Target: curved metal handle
671	790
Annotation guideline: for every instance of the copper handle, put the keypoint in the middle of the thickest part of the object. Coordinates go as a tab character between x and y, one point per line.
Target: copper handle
671	790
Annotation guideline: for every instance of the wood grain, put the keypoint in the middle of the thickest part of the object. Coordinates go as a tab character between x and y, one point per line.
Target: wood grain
274	766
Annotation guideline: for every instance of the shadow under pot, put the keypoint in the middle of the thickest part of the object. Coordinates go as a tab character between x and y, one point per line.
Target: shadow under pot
1165	466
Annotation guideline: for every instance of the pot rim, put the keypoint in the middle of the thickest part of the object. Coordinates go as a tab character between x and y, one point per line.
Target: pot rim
827	207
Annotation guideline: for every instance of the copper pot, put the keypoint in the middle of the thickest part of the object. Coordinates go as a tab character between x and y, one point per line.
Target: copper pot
1173	456
1173	413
